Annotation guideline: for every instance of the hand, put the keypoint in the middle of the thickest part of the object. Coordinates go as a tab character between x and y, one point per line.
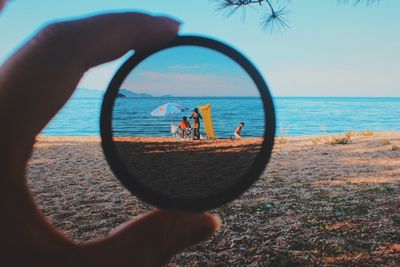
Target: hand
34	84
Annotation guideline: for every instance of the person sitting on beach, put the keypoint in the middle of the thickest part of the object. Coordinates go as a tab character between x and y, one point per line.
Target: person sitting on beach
238	131
184	125
196	123
35	83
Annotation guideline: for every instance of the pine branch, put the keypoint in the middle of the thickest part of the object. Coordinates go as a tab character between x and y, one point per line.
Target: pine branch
275	10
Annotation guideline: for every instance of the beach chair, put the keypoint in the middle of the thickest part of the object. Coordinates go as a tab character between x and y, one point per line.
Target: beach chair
174	129
177	132
187	133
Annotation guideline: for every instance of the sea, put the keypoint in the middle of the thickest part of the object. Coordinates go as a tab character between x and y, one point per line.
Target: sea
296	116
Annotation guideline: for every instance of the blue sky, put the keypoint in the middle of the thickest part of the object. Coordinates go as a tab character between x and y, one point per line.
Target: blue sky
190	71
330	49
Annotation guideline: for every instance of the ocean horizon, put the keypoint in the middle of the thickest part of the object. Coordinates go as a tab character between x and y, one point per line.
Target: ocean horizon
296	115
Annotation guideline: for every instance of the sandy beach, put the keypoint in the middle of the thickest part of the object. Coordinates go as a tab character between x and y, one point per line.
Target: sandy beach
187	168
321	201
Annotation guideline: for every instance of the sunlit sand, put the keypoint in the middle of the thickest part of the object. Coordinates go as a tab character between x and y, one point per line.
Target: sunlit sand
319	203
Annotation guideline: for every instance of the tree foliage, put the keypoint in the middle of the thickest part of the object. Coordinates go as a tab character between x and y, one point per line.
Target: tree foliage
274	11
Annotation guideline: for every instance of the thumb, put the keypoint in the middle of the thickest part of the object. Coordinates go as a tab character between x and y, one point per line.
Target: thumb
40	77
152	239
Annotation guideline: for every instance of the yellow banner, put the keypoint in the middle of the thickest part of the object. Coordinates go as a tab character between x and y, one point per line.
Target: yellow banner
207	118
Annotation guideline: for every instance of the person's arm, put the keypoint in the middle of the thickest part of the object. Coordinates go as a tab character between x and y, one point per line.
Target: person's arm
35	83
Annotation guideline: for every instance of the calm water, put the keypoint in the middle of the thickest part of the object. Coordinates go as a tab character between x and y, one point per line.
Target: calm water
295	115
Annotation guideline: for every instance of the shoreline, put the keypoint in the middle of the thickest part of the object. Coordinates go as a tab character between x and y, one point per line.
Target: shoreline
170	138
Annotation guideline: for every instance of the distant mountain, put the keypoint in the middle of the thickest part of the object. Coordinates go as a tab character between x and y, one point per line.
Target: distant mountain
129	93
88	93
92	93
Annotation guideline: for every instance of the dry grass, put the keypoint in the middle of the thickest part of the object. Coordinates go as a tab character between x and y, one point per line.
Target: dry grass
343	139
385	142
349	135
367	133
332	140
281	140
337	140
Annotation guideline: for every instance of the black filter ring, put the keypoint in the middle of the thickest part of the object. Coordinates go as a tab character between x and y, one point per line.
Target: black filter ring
170	202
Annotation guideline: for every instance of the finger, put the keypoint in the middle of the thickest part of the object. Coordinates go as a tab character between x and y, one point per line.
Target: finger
107	37
39	78
152	239
2	4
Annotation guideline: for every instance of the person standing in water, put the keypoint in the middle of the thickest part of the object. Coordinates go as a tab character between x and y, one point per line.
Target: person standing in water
196	123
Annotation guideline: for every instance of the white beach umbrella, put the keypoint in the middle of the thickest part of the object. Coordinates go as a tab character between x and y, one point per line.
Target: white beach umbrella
168	109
